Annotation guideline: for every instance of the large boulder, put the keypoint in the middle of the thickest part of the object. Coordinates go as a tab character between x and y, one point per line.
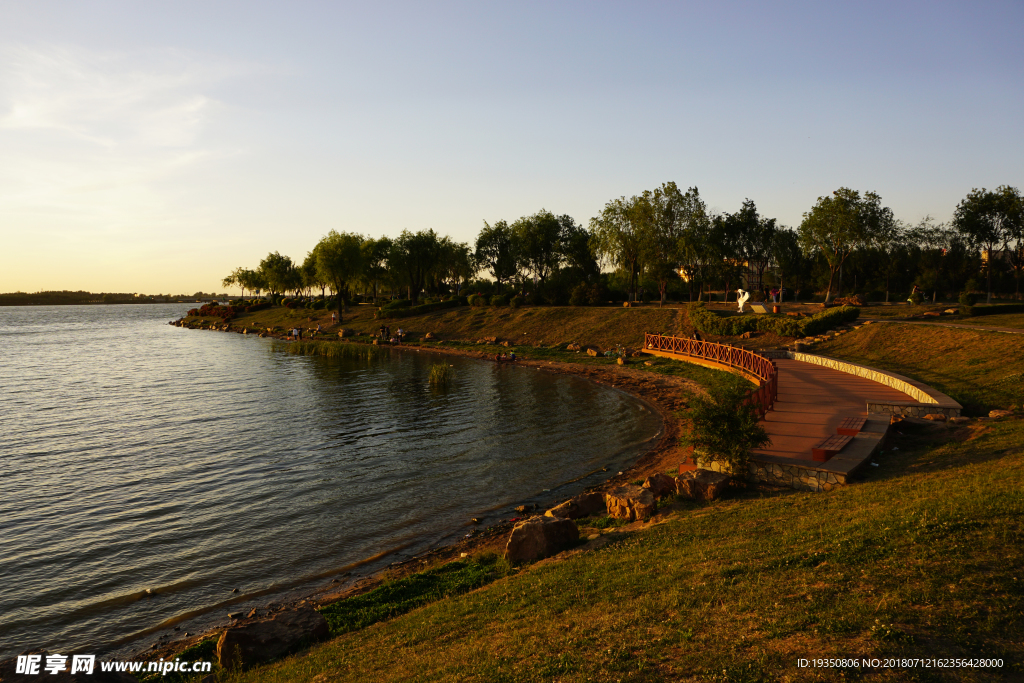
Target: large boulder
660	484
702	484
1000	413
583	505
630	502
593	352
540	537
262	641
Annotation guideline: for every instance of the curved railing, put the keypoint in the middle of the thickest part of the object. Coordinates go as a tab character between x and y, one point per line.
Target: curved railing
752	364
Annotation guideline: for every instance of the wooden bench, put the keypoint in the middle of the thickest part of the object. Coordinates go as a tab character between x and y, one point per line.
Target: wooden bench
829	447
851	426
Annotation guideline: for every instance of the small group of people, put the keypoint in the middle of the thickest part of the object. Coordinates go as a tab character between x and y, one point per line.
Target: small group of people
501	357
384	335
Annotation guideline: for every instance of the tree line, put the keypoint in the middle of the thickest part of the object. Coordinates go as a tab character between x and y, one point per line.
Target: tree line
665	243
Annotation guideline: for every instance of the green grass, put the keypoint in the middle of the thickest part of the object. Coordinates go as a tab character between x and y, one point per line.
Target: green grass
332	349
921	560
1014	320
441	375
402	595
980	370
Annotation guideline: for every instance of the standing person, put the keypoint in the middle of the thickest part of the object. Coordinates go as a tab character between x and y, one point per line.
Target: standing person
334	317
387	331
400	333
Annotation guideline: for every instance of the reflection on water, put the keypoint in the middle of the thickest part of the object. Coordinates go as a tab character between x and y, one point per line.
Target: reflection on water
149	471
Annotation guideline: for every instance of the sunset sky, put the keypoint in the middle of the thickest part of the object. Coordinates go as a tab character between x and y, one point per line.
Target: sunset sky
154	147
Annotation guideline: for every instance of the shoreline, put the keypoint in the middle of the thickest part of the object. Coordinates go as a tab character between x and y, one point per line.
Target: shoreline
659	393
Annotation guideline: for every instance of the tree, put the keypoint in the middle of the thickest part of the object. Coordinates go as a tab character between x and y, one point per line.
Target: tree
724	428
754	236
375	262
620	234
668	219
537	240
414	256
992	219
310	274
699	247
276	272
455	263
789	261
495	250
837	225
888	241
576	247
339	262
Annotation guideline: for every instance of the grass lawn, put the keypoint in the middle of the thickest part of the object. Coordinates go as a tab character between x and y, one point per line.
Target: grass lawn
980	370
921	560
1015	320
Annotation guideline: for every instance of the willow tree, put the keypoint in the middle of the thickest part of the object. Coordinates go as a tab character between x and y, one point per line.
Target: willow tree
339	262
621	233
413	257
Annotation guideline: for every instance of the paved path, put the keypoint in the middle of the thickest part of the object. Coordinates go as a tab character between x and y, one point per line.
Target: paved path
980	328
812	402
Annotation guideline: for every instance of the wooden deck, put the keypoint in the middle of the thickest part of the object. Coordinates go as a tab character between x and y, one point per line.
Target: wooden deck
812	404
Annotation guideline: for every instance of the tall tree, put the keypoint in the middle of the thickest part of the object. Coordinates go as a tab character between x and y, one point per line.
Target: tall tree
888	242
837	225
496	251
620	233
576	247
754	235
668	220
537	240
699	247
455	263
788	259
414	256
276	271
375	263
989	220
339	262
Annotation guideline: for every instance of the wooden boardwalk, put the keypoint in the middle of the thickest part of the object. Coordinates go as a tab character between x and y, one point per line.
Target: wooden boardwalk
812	402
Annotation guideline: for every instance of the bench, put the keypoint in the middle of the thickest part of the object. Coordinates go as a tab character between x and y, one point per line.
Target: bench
829	447
851	426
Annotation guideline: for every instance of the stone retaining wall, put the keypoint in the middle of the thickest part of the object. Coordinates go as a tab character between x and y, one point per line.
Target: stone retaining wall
800	477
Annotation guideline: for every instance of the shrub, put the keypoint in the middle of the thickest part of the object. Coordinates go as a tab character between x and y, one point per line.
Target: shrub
516	301
477	300
724	428
710	323
499	300
916	298
257	307
397	303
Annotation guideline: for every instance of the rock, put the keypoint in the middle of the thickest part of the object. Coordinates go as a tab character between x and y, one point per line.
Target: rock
523	509
235	616
626	304
591	351
620	360
936	417
583	505
428	335
490	339
504	343
959	420
932	314
572	347
376	342
343	333
1000	413
702	484
261	641
749	335
648	363
540	537
951	311
630	502
660	484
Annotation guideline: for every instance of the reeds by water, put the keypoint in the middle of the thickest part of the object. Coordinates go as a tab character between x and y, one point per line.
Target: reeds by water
441	375
336	350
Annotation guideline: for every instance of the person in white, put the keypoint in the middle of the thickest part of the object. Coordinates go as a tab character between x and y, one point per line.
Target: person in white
741	298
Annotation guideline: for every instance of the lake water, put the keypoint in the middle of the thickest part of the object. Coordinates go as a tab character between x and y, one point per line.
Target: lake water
138	456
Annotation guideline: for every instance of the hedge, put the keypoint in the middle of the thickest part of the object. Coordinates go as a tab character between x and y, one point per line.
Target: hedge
414	310
785	326
995	309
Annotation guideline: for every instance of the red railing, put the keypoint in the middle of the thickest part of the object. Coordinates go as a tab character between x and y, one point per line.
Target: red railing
753	364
